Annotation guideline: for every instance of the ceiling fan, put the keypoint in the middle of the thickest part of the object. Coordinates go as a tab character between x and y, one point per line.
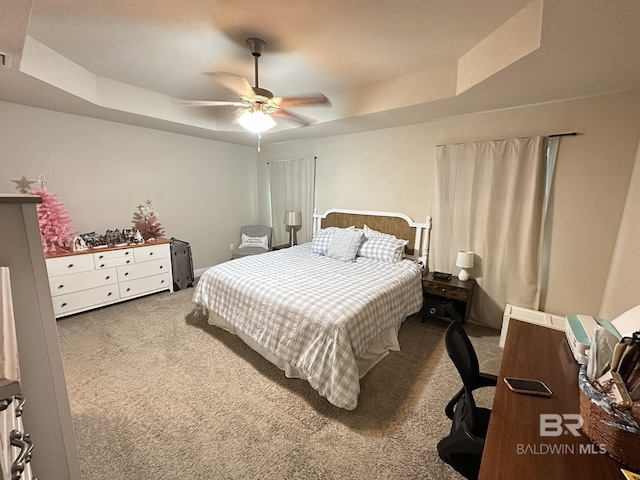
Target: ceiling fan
256	104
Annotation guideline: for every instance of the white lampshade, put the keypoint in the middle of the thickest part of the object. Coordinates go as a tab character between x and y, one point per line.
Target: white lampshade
256	121
292	218
464	259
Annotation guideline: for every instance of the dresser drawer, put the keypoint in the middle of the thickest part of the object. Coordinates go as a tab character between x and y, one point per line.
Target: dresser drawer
151	252
108	256
144	269
6	455
69	264
82	281
113	262
94	297
8	423
448	291
133	288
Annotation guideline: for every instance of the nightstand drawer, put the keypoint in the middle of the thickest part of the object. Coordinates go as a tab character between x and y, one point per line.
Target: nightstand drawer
449	291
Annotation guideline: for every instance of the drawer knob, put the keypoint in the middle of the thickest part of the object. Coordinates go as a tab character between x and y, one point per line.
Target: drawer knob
60	286
107	277
444	289
126	273
128	289
109	294
161	267
102	265
126	253
150	253
63	305
70	265
100	257
20	406
25	444
162	281
128	261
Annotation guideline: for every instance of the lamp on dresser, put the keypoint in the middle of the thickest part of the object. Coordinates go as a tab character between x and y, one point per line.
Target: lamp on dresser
464	260
292	220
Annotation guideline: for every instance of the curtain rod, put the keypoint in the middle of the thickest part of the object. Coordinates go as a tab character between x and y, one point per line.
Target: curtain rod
289	160
569	134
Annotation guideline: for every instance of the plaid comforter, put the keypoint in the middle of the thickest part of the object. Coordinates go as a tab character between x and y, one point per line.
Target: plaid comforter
316	313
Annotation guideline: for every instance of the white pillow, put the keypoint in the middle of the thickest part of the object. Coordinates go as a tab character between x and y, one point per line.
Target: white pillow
385	249
370	233
345	244
260	242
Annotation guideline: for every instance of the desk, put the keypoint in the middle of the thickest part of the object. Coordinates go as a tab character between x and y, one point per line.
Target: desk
514	448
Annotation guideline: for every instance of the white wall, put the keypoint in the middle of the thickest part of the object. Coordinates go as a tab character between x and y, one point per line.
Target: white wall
203	190
392	170
623	288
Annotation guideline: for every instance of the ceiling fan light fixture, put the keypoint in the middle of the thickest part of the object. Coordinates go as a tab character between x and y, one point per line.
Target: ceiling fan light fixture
256	121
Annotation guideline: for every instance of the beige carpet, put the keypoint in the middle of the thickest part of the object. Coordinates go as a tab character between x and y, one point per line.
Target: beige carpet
157	393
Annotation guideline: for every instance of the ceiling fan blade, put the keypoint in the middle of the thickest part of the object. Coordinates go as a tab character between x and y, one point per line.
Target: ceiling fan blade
316	99
233	82
293	117
212	103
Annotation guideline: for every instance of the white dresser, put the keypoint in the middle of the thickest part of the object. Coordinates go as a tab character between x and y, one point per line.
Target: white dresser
16	446
93	278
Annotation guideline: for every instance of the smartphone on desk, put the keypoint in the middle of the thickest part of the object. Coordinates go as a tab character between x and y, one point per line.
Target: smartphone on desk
524	385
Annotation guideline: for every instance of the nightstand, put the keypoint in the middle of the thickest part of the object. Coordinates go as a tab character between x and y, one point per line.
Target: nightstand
280	247
437	292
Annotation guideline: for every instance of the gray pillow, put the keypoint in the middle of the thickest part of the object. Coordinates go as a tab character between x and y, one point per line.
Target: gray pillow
345	244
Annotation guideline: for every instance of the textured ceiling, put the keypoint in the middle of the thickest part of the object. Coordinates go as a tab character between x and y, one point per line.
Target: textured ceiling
382	63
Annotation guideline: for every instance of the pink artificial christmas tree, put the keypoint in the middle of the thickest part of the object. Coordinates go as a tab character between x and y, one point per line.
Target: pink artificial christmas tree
145	220
55	225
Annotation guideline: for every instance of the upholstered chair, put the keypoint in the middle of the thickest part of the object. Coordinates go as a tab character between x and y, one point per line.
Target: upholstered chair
254	239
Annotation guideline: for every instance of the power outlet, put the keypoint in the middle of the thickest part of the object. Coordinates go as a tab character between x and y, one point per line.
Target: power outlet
232	246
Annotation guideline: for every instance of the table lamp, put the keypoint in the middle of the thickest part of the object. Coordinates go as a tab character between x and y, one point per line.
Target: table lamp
292	220
464	260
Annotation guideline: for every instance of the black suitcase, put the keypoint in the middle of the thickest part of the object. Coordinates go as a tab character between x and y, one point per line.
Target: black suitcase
181	264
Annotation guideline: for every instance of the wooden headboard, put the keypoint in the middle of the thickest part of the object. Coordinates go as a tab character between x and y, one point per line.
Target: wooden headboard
398	224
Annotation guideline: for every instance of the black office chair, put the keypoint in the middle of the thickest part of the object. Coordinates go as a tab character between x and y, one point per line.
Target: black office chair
462	448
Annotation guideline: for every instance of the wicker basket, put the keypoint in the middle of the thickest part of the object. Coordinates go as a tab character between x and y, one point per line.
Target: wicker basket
621	441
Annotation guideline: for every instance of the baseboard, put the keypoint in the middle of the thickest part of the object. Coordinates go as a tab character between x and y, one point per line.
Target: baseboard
198	272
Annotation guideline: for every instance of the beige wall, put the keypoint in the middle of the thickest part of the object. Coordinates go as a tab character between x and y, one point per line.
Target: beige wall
623	288
203	190
392	170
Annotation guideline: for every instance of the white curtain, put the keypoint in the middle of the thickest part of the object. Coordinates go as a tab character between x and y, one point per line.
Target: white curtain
292	185
489	198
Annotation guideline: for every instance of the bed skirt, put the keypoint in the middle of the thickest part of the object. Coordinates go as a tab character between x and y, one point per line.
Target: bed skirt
379	349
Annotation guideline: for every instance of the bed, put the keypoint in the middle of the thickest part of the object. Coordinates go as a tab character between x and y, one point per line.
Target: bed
318	316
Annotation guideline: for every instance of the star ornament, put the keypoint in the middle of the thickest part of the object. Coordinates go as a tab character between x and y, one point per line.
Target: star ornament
23	184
